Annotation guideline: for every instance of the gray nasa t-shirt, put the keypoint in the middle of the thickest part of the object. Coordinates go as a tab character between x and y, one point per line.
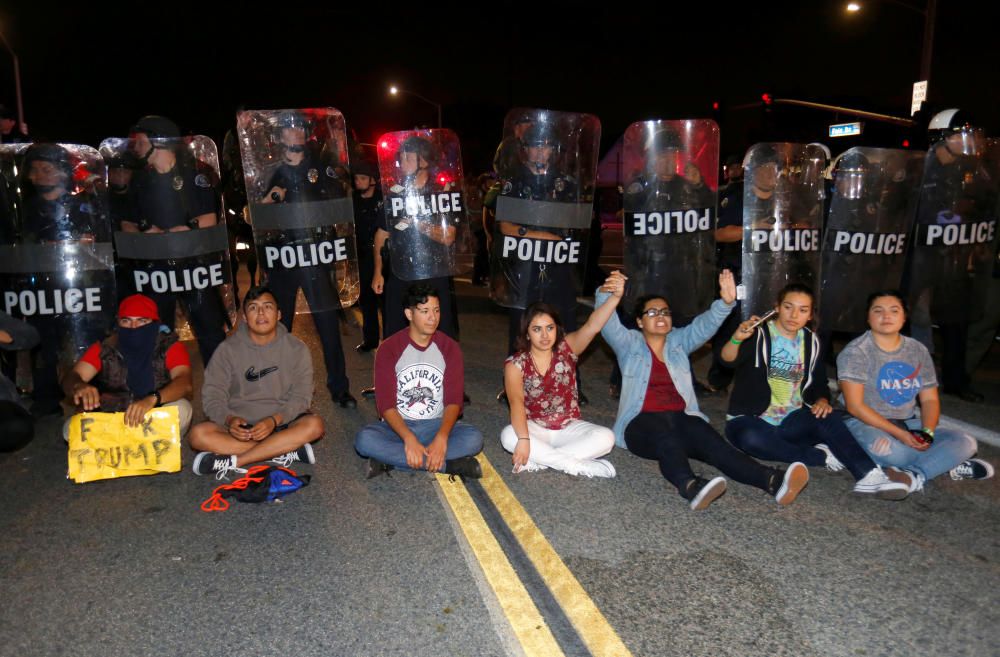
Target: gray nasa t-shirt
892	379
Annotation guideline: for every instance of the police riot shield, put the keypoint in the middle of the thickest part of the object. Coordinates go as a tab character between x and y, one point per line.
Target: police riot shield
295	164
57	261
424	206
170	243
669	224
872	207
782	220
545	204
956	229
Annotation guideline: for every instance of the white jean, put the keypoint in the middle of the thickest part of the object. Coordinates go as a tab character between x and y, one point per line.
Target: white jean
562	449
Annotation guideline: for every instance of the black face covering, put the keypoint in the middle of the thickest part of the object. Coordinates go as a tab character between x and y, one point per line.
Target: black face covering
137	345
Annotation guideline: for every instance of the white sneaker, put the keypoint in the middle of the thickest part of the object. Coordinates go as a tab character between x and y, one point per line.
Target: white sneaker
878	484
916	480
833	464
596	468
796	478
530	467
222	466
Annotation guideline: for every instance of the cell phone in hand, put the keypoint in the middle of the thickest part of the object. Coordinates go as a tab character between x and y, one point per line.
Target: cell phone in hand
922	436
768	315
246	425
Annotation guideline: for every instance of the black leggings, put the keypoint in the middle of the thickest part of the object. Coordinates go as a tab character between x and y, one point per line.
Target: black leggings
673	437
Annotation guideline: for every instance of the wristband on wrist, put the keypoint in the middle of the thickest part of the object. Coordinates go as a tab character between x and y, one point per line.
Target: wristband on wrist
275	420
928	430
523	438
735	341
159	399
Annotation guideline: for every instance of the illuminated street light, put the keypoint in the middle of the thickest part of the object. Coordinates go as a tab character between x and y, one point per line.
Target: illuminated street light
929	14
395	91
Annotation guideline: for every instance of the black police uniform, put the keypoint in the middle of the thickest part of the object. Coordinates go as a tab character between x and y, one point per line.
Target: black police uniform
550	283
67	218
234	193
413	241
171	200
311	180
368	216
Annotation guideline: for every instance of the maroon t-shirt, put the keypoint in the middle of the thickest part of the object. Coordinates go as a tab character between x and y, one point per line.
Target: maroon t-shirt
661	393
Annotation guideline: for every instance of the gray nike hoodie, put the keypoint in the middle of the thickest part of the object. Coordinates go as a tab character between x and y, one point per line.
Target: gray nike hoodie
254	381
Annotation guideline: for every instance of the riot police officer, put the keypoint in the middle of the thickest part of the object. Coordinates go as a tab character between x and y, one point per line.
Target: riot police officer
304	176
368	216
423	246
171	193
538	177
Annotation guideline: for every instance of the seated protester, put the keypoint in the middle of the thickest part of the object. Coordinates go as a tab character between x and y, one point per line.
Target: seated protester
658	416
257	391
140	366
419	378
780	409
17	425
545	429
882	376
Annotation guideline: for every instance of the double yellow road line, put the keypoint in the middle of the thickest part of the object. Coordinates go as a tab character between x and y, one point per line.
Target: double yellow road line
526	621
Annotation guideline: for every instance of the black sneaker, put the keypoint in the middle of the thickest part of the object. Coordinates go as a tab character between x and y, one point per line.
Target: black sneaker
705	492
972	469
376	467
502	398
206	463
364	347
466	466
303	454
368	393
346	400
583	399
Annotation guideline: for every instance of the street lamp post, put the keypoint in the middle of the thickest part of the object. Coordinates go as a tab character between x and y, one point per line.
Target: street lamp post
395	91
929	14
17	82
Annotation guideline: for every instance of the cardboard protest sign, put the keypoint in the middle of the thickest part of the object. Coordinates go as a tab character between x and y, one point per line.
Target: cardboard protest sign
102	446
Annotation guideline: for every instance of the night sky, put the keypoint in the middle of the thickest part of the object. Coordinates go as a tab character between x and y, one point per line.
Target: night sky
90	72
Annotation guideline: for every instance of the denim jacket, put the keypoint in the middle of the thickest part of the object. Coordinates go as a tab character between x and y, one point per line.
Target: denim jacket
636	362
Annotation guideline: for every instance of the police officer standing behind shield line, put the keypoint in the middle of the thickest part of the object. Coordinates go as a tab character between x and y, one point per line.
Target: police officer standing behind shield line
368	216
539	178
729	255
302	177
168	195
51	214
415	158
235	195
951	175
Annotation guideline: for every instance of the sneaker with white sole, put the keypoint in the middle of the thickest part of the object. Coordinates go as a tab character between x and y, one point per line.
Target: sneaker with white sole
877	483
303	454
206	463
914	480
707	492
972	469
833	464
795	479
596	468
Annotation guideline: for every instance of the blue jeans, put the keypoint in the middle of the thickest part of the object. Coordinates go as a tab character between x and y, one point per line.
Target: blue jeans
793	440
380	442
950	448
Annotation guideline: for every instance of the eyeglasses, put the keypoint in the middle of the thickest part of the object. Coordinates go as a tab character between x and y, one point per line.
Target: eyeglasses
295	148
653	312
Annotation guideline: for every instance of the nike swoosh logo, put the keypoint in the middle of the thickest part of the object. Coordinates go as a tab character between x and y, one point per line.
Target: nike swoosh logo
253	375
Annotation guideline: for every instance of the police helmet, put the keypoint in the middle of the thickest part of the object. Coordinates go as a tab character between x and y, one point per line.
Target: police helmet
541	134
365	168
52	153
664	140
421	147
292	119
157	127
